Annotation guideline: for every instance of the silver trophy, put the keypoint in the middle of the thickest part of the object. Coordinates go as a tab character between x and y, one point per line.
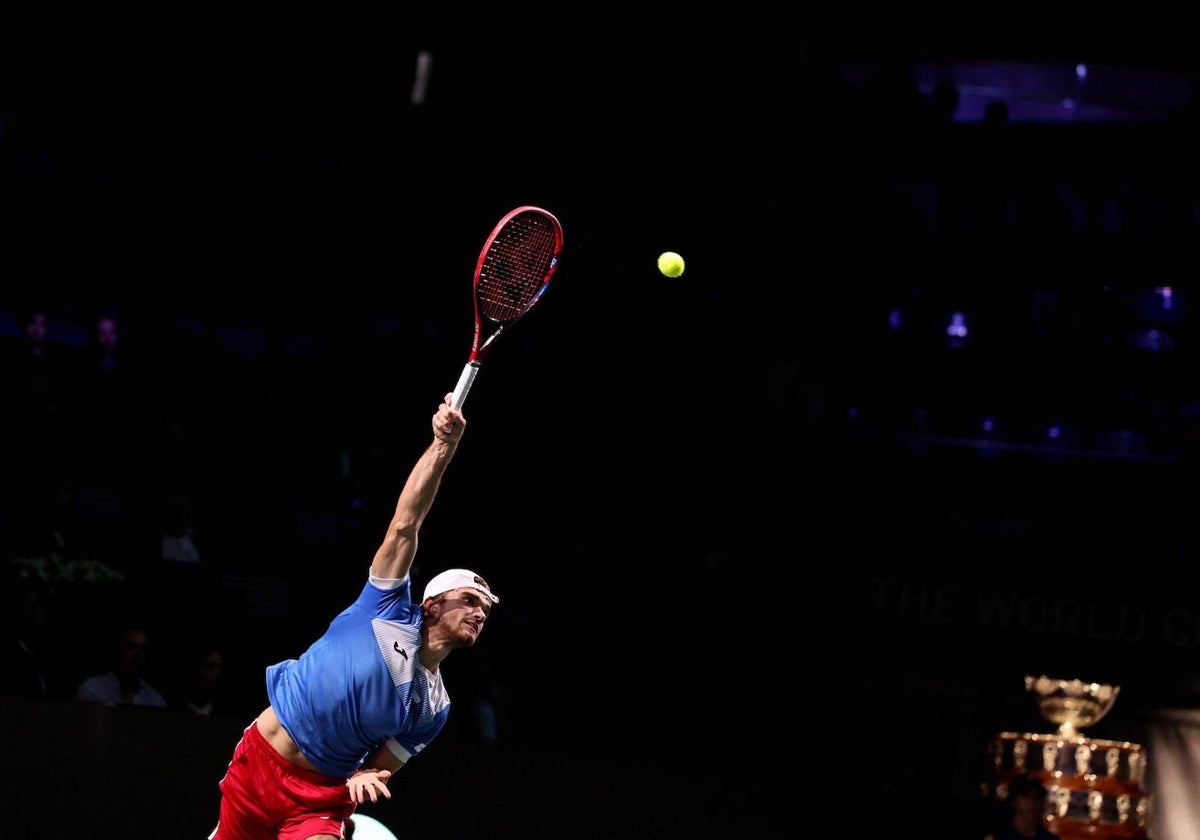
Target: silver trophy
1095	787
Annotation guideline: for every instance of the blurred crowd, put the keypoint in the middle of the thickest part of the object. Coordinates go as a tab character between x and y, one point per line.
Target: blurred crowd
109	598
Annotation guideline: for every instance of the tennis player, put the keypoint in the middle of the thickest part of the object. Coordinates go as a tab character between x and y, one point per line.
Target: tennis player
365	697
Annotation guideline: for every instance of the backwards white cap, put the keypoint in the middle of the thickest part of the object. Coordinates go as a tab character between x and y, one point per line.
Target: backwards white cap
457	579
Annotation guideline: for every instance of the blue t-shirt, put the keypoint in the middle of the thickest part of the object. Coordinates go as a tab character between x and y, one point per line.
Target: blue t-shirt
360	685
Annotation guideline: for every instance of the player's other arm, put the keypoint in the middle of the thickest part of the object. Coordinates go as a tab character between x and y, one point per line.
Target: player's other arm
369	782
394	557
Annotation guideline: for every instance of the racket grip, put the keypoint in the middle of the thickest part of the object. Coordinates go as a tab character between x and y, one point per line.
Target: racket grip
464	384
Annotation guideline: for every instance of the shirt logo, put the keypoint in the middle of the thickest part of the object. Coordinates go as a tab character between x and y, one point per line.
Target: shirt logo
396	647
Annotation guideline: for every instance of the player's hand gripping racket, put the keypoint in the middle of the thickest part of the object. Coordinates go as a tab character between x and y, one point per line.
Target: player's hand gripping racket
514	269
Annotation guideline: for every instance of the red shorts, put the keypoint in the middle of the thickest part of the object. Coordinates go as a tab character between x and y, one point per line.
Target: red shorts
266	797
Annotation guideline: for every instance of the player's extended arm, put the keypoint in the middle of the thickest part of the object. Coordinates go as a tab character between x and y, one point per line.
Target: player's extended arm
394	557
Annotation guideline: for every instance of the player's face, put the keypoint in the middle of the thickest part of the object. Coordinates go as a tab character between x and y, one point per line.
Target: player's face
463	612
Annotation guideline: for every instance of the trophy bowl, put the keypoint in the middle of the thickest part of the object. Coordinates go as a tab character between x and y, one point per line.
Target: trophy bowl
1071	704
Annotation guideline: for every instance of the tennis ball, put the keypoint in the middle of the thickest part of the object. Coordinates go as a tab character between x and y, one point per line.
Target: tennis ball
670	264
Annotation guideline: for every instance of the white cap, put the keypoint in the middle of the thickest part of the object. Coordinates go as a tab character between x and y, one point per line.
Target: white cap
457	579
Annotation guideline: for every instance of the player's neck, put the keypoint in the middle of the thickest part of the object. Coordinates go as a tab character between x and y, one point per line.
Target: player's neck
432	654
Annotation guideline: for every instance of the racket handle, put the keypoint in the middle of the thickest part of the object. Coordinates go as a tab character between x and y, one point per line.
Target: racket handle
464	384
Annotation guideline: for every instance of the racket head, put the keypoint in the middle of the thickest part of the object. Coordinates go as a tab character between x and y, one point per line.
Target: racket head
516	264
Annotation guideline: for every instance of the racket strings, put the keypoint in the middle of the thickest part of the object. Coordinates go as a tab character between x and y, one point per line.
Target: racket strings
515	268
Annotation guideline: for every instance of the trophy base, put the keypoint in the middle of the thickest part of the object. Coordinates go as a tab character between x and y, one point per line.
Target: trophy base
1095	788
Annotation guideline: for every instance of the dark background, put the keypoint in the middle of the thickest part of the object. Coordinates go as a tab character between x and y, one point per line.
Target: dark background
759	557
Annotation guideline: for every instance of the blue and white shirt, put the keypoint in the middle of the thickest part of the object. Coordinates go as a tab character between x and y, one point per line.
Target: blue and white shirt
360	685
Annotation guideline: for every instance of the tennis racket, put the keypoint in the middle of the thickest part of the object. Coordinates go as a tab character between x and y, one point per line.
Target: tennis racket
514	270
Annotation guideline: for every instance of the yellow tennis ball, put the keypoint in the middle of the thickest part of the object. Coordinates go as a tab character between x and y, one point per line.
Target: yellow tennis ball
670	264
